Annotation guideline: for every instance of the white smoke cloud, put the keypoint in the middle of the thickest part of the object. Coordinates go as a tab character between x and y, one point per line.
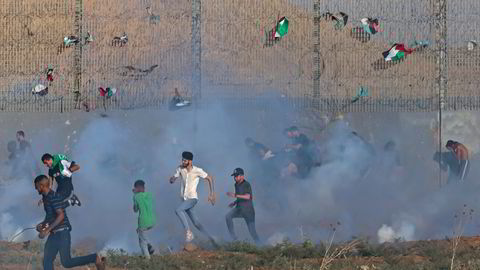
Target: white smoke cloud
404	232
115	151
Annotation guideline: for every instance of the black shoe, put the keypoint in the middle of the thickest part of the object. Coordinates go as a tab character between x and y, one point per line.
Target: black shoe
75	201
150	249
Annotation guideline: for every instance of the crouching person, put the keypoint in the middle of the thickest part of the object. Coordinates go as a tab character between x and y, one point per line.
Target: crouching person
57	227
243	205
143	204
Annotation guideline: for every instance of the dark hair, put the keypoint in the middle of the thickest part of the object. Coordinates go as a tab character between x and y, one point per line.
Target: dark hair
12	146
21	133
390	145
450	143
187	155
139	183
46	156
40	178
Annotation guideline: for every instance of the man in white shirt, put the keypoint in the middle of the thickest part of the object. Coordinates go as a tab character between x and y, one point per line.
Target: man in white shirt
188	190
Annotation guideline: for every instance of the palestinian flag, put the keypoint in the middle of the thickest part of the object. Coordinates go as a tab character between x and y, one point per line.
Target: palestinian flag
108	92
396	52
281	28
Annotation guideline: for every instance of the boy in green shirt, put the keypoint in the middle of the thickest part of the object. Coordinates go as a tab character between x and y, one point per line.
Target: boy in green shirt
143	204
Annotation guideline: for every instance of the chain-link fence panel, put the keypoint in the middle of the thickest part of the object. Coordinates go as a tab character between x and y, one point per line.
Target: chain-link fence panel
140	48
32	54
321	55
463	35
374	56
256	50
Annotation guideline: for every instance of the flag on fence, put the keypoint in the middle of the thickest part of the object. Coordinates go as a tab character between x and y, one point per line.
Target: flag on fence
108	92
396	52
370	25
281	28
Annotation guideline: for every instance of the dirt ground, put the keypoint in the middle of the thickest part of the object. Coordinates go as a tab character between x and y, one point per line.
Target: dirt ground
433	254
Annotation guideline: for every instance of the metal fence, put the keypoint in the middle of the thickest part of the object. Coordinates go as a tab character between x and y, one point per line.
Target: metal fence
216	50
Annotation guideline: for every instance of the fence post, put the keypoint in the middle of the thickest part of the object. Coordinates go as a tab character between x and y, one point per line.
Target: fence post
316	49
77	61
441	68
196	57
196	49
441	49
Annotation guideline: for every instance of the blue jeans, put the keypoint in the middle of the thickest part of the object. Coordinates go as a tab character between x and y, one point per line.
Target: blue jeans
61	242
142	239
186	208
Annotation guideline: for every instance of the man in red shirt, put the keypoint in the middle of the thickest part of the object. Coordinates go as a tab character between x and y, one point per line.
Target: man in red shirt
461	153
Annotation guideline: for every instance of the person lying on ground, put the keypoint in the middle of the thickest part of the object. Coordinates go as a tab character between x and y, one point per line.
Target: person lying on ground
57	227
61	169
190	176
242	206
144	206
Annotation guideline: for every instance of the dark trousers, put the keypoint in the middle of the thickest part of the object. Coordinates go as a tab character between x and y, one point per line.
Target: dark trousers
60	242
248	216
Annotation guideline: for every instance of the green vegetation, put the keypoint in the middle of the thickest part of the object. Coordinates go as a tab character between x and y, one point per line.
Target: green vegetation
425	255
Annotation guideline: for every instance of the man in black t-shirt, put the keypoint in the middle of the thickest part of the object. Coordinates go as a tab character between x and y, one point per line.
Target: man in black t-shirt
301	160
243	205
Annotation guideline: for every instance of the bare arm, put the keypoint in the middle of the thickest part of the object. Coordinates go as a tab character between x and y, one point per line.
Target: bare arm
74	168
244	196
58	219
294	146
211	183
211	187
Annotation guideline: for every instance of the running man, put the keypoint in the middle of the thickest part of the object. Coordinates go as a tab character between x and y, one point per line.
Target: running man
57	227
143	204
60	169
461	153
188	190
243	205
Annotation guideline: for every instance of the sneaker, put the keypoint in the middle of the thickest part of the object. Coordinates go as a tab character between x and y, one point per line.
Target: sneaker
189	236
150	249
75	201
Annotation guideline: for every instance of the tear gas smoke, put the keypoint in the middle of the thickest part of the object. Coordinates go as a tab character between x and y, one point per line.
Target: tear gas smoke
358	184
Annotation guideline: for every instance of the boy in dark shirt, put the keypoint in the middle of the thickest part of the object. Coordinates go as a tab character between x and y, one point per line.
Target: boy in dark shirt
57	227
301	160
243	205
60	169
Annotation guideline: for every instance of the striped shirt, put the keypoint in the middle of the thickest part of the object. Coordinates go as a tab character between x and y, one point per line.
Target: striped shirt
51	203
